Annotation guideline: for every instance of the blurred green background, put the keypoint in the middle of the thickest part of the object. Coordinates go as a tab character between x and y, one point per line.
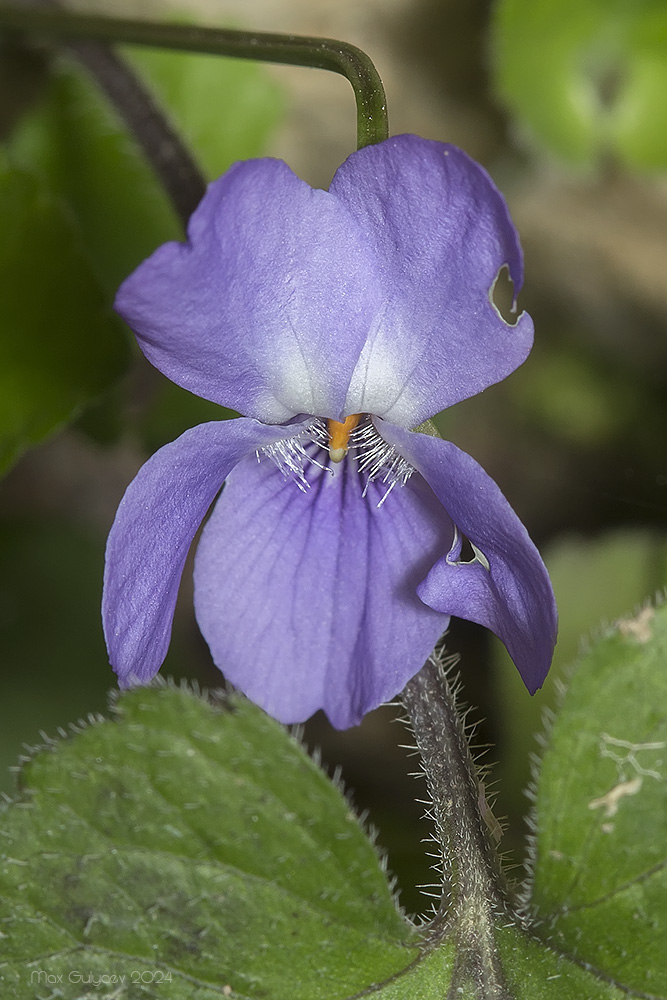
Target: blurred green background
564	104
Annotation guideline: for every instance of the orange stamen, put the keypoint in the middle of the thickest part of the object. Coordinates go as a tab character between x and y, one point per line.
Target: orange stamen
339	436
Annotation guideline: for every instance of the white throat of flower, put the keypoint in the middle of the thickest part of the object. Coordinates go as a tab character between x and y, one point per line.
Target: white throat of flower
364	449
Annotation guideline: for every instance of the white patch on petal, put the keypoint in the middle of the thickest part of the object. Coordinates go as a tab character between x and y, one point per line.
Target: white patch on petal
379	382
297	383
293	382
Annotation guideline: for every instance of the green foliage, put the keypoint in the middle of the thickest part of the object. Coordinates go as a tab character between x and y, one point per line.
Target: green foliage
595	581
60	345
198	841
536	972
195	844
601	873
587	77
81	208
76	141
223	108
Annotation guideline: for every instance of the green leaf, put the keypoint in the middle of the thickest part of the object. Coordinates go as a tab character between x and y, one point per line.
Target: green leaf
60	345
196	840
194	846
587	77
595	580
75	141
600	884
101	188
535	971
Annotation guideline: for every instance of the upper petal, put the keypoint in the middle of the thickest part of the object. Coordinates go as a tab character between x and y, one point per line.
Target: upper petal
513	596
439	231
150	537
267	306
307	599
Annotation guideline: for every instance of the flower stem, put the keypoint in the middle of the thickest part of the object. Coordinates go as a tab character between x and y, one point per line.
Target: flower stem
319	53
475	893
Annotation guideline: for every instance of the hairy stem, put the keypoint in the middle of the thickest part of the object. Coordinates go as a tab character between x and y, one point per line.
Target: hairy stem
475	893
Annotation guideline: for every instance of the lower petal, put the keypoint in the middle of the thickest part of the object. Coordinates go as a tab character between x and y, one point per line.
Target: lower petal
307	598
154	526
512	595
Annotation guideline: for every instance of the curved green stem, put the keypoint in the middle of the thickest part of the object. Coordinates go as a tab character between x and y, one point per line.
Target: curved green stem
320	53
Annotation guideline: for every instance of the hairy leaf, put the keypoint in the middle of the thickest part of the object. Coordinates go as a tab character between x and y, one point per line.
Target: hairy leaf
193	845
600	886
195	840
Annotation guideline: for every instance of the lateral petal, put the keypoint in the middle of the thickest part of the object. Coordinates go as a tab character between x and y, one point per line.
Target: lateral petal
439	231
513	597
155	523
307	599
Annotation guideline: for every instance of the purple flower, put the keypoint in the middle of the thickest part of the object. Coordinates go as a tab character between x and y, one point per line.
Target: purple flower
336	321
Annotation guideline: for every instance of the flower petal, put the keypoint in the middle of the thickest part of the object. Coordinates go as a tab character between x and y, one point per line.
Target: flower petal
513	597
307	599
440	231
267	307
150	537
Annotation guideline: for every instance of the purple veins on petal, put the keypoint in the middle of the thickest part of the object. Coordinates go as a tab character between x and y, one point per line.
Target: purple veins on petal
440	232
506	587
156	521
334	321
308	598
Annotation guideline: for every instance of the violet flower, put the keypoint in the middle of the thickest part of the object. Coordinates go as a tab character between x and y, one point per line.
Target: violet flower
335	321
